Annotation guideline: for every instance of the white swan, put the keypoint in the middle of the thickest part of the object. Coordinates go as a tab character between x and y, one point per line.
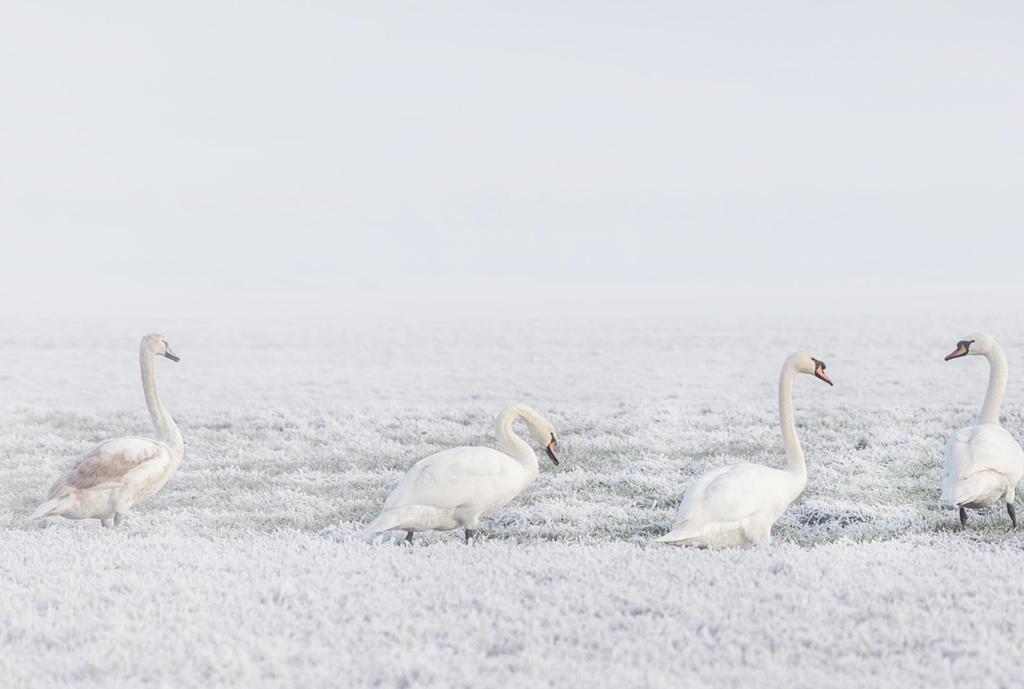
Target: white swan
455	488
983	462
739	504
117	474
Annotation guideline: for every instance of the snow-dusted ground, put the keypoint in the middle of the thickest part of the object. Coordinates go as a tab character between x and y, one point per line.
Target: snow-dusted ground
297	423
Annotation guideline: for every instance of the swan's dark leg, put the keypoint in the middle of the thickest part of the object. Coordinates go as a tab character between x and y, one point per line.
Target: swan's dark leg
963	517
118	518
470	533
408	537
1012	511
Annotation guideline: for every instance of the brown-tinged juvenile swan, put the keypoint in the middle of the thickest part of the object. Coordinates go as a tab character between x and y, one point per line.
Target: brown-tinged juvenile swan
455	488
739	504
117	474
983	462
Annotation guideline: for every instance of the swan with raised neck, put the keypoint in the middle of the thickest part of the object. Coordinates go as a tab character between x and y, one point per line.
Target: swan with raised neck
120	473
983	463
739	504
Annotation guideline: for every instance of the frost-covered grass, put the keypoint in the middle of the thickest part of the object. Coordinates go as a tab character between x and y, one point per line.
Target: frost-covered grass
240	572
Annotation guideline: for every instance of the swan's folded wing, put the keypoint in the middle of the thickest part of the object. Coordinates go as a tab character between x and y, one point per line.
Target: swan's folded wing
447	479
110	462
695	493
731	493
982	448
958	462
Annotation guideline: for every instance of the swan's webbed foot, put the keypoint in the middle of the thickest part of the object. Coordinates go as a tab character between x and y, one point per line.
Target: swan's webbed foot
963	517
1012	511
107	524
471	534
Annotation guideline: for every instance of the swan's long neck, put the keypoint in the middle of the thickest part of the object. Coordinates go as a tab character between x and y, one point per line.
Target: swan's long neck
998	371
794	453
162	421
510	443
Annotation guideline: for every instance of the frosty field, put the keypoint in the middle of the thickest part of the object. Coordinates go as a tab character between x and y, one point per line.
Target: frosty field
241	572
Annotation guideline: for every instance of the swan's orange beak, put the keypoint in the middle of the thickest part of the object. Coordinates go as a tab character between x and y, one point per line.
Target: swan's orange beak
819	373
956	353
552	450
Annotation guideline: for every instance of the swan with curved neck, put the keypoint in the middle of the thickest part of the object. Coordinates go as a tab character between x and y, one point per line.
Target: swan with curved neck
120	473
739	504
455	488
983	462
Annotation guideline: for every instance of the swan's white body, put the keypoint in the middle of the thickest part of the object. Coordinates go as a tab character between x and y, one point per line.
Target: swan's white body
983	466
118	474
739	504
455	488
734	506
984	463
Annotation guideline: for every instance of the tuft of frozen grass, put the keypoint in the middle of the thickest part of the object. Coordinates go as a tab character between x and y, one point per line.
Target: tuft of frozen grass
242	571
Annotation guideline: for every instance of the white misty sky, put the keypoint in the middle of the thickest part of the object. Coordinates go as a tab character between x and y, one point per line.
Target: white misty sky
449	144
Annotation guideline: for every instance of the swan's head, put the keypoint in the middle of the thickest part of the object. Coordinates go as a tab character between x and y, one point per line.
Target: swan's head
805	362
542	431
977	343
157	346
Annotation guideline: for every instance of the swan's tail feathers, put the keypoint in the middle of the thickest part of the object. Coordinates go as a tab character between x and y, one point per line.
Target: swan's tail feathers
54	506
681	534
384	522
68	499
674	538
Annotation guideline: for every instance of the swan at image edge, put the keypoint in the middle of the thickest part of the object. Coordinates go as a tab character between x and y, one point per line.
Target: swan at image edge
739	504
455	488
983	463
120	473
